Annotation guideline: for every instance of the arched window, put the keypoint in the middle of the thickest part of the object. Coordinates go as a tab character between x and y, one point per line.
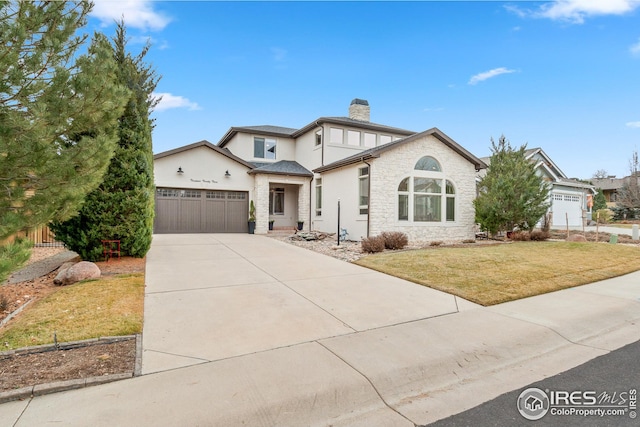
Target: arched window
427	195
428	163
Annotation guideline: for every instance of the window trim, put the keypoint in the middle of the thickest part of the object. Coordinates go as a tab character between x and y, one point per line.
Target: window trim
272	200
447	196
363	177
265	140
319	196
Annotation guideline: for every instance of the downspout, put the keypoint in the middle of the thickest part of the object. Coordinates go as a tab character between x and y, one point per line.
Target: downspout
310	181
368	196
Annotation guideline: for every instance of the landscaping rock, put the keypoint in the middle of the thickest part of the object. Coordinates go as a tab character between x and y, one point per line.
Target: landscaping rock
576	238
80	271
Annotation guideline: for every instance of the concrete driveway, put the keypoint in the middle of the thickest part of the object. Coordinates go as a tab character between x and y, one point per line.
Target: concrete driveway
212	297
245	330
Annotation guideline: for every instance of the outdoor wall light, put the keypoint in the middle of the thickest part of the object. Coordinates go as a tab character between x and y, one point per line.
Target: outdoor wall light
180	171
227	174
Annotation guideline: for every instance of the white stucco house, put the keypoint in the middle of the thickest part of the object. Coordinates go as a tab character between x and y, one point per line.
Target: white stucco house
571	200
385	179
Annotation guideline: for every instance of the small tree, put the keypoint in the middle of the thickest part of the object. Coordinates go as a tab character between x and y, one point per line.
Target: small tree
122	207
599	201
511	194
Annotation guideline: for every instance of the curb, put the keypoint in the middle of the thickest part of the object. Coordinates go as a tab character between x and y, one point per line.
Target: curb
58	386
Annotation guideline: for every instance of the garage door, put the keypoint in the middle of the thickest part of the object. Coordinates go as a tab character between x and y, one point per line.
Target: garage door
567	207
201	211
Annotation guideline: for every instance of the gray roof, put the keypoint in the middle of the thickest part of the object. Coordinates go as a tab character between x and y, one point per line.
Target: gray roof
347	121
279	130
283	167
376	151
609	183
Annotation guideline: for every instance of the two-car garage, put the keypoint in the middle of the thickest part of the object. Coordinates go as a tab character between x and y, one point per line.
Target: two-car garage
200	211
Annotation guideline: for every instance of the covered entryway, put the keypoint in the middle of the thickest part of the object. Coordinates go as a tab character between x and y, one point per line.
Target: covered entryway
200	211
567	207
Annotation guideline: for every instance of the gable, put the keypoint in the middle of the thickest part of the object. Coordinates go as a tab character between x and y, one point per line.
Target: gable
378	151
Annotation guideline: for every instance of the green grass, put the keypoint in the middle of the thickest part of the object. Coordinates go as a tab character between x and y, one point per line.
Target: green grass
492	274
109	306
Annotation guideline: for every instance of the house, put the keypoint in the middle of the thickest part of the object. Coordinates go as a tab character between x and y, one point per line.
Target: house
571	200
610	187
382	178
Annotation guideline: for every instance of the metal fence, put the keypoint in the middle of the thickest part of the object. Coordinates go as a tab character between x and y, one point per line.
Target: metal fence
43	236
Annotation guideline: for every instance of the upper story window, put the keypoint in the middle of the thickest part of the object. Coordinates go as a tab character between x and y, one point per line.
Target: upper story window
353	138
318	138
336	135
369	140
384	139
264	148
428	163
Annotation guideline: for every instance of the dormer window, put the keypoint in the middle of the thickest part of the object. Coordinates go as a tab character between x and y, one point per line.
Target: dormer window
264	148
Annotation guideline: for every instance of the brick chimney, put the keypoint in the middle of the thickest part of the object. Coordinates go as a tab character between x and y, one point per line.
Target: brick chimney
359	110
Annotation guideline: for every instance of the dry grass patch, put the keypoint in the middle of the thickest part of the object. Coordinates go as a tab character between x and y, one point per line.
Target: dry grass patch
493	274
109	306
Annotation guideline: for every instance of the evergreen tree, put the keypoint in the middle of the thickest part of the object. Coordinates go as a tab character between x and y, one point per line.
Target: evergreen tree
511	194
57	111
599	201
122	207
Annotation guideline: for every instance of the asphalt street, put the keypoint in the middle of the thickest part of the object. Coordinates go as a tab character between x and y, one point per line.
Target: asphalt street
615	374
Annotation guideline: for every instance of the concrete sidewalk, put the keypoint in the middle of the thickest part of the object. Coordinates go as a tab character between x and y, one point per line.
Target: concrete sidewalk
246	330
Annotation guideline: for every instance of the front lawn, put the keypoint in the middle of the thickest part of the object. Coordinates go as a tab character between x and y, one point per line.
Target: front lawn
492	274
108	306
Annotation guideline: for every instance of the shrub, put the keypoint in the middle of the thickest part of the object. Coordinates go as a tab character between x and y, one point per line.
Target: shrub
373	244
539	235
395	240
603	216
520	236
436	243
469	241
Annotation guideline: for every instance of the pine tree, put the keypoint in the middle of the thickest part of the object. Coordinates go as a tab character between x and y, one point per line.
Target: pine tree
58	108
511	194
122	207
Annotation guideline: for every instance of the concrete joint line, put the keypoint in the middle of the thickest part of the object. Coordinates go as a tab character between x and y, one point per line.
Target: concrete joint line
207	288
23	411
294	291
370	383
558	333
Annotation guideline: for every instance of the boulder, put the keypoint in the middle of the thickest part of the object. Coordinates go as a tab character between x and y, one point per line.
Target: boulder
576	238
79	271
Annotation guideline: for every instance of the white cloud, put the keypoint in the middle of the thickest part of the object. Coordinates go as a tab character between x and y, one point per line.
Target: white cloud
575	11
137	14
489	74
633	124
169	101
635	48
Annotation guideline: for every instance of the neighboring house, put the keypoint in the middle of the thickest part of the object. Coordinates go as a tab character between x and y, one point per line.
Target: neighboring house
385	179
610	187
570	199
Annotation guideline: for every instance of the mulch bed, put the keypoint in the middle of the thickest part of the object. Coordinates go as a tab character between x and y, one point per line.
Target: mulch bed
94	360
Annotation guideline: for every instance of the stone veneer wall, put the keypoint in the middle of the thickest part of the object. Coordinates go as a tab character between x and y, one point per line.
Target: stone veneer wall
261	194
397	164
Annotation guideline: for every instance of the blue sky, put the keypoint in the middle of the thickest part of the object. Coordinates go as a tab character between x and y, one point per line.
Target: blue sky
561	75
